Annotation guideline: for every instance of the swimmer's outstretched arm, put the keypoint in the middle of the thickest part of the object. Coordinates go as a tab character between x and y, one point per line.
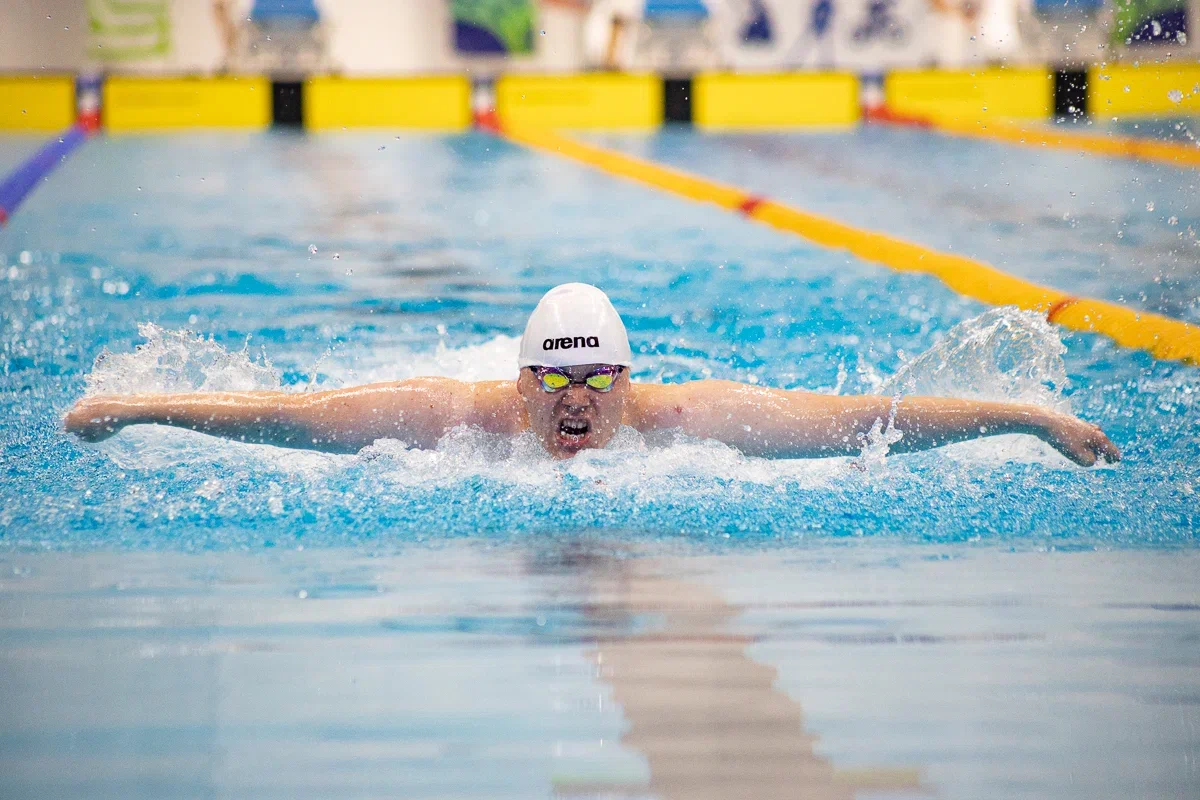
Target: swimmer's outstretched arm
417	411
791	424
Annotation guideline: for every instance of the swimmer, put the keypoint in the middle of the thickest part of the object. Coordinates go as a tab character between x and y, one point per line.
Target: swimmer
574	392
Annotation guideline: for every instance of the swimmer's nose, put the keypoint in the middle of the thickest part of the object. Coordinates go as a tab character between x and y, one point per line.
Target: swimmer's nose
577	396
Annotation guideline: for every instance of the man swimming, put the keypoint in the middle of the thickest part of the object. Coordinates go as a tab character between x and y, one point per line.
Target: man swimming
573	391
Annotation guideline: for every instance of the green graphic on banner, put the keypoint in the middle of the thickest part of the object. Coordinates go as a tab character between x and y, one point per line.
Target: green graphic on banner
1149	21
493	26
128	30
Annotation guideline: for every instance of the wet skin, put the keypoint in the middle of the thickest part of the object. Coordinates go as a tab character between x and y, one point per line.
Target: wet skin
577	417
756	420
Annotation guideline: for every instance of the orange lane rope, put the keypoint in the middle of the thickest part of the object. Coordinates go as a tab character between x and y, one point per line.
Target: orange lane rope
1101	144
1161	336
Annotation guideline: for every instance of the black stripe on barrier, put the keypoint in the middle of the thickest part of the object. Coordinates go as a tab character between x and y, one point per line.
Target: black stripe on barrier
287	103
677	100
1070	93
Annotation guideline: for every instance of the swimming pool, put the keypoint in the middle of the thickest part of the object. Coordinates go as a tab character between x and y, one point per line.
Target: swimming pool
187	616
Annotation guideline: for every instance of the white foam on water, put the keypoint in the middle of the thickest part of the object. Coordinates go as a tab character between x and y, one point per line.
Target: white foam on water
181	361
178	361
1003	354
492	360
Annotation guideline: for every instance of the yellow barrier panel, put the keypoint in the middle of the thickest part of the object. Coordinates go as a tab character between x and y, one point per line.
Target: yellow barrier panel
729	101
1163	337
154	104
1176	154
580	101
36	102
1121	89
434	103
971	95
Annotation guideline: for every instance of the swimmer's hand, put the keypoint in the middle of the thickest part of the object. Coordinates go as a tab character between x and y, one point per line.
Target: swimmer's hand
94	419
1082	442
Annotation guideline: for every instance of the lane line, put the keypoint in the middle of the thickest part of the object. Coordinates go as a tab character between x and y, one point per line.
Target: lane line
1161	336
17	185
1171	153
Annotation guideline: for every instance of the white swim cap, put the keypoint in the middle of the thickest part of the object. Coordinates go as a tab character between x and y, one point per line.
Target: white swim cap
574	324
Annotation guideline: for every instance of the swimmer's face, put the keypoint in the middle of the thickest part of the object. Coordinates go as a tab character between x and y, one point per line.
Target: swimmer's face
575	418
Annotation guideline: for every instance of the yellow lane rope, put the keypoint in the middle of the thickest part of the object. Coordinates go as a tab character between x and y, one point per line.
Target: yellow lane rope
1172	153
1163	337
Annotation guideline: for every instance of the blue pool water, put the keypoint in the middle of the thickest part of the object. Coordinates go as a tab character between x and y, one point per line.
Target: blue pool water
184	616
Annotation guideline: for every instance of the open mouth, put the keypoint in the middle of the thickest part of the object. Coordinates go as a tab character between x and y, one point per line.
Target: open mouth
573	431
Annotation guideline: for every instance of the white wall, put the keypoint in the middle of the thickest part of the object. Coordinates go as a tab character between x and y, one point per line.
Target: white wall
40	35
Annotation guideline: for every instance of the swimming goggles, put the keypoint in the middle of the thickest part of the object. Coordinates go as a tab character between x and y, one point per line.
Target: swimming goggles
555	379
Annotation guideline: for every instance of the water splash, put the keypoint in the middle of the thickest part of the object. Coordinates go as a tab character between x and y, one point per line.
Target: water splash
178	361
1002	354
491	360
876	443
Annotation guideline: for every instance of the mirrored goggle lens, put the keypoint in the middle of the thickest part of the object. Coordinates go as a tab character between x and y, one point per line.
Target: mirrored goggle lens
601	381
553	381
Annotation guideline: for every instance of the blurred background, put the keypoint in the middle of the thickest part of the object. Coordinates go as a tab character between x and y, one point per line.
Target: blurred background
183	616
423	36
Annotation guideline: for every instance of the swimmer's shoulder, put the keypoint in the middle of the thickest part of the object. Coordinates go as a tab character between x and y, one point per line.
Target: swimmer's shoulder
498	407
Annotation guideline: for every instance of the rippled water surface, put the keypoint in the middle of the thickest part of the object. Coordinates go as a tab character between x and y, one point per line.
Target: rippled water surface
184	616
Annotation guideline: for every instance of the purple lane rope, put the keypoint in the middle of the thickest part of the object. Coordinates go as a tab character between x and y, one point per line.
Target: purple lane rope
20	182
